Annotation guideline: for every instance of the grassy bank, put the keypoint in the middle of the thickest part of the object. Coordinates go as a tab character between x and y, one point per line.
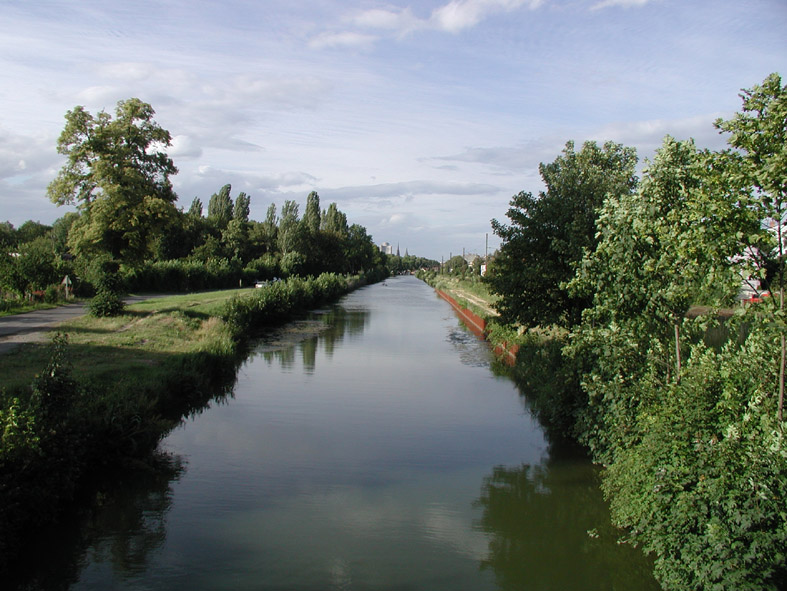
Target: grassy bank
140	341
106	393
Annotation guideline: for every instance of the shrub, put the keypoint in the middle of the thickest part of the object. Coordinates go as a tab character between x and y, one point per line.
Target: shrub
52	294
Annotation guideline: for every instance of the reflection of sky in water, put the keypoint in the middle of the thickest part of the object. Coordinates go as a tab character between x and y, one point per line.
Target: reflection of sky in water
357	458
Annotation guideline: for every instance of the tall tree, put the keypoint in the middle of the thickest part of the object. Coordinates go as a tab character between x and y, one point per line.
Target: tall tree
242	207
196	208
548	234
311	215
759	133
270	228
220	207
334	221
289	235
118	175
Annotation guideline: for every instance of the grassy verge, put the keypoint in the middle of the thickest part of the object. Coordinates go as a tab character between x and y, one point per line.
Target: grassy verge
136	343
470	293
12	308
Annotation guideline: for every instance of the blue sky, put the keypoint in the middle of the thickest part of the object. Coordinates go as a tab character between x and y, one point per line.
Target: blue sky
420	120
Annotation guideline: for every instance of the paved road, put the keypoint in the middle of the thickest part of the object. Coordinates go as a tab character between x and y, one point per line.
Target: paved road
33	326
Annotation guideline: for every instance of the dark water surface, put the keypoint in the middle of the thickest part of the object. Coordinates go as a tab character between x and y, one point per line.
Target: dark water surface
378	450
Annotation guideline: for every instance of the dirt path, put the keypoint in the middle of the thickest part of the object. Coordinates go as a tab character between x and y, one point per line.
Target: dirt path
475	300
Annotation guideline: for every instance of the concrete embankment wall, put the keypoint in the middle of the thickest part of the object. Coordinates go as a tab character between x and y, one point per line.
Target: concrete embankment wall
477	325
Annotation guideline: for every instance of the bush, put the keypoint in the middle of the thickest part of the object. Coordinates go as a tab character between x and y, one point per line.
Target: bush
52	294
705	485
106	304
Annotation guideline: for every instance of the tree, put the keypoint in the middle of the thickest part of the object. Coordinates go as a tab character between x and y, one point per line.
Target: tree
220	207
311	216
334	221
31	230
241	209
360	252
759	133
7	236
196	208
289	235
36	264
548	234
118	175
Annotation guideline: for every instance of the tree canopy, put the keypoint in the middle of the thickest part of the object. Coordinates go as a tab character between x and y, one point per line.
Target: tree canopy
117	174
548	234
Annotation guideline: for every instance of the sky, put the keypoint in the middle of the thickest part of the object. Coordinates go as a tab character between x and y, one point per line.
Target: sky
421	120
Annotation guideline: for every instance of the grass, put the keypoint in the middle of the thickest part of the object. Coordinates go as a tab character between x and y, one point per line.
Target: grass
21	307
474	295
137	345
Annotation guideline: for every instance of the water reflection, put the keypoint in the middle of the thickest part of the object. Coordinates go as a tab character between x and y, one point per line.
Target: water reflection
549	528
119	529
326	328
472	350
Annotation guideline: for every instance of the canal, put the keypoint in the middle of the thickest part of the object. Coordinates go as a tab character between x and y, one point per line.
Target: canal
370	446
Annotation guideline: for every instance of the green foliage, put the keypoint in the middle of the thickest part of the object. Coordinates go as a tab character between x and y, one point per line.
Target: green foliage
36	264
220	207
548	379
279	300
692	432
704	486
108	283
118	179
548	234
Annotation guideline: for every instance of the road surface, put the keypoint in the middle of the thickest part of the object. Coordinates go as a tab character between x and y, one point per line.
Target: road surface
33	326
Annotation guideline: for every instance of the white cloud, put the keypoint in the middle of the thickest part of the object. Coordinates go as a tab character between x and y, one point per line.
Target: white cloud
184	146
458	15
453	17
378	18
621	3
647	136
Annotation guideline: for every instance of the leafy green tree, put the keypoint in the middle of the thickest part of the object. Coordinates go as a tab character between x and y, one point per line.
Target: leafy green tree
289	231
361	252
7	236
311	215
118	175
241	209
37	264
660	250
269	229
60	231
759	134
196	208
220	207
548	234
334	221
31	230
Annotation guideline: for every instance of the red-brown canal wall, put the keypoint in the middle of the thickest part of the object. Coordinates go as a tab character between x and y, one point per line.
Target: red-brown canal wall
477	325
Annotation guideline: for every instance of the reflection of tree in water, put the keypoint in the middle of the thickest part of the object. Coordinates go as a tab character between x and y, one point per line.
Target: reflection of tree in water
473	351
122	524
538	519
326	328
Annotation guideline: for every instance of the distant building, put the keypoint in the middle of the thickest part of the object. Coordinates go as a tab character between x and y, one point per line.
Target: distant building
386	248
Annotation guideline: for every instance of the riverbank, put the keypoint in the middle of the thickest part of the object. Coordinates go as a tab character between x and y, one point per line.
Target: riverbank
475	307
107	392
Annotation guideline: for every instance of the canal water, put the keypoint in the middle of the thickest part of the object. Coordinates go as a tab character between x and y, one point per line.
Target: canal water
368	447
